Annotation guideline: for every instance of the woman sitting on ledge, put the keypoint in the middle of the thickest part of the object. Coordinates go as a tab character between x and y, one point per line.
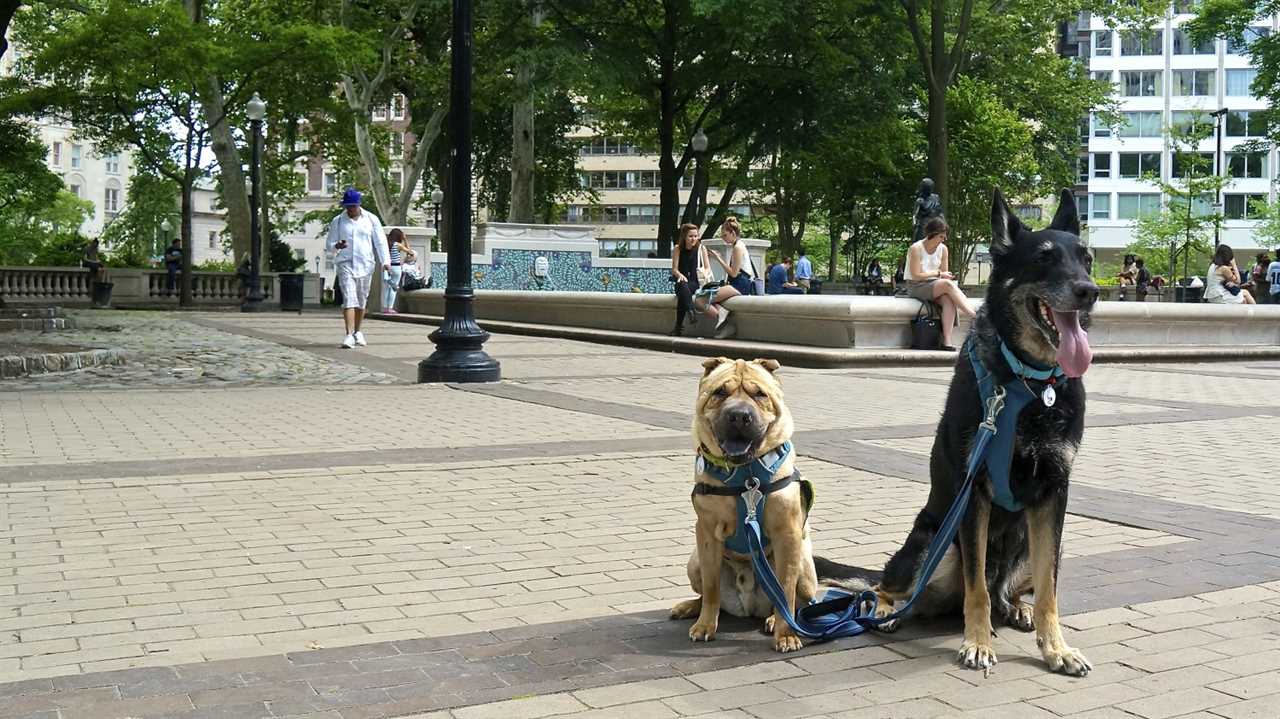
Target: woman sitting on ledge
928	282
1222	283
738	270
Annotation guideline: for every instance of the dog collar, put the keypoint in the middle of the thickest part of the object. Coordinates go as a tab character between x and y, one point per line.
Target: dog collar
762	468
1027	370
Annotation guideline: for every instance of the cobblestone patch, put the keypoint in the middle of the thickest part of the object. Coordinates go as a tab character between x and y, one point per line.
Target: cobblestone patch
166	351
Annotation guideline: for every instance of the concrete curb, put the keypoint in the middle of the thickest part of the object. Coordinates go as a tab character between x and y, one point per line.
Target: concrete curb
824	358
13	366
42	324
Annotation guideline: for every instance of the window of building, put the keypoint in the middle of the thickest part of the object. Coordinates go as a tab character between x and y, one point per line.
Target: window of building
1183	44
1242	123
1243	207
1082	169
328	262
1133	206
213	239
1195	164
113	163
55	155
330	183
397	107
1150	42
1247	39
1100	206
1139	164
75	157
1082	206
397	179
1190	122
1101	75
74	189
1247	164
1140	83
1197	83
397	146
111	201
1239	82
380	112
1102	42
1139	124
299	254
1031	213
608	146
1101	164
1185	7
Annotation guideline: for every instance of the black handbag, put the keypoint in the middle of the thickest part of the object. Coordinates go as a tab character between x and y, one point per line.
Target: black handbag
926	329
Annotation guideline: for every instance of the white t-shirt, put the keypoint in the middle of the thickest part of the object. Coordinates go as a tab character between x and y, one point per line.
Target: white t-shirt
1273	276
929	262
739	250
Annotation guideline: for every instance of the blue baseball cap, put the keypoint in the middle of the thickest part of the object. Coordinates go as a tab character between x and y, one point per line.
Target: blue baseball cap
351	197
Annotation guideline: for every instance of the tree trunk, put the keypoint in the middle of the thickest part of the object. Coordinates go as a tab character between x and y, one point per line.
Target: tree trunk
522	140
835	250
185	298
669	197
940	71
695	211
234	197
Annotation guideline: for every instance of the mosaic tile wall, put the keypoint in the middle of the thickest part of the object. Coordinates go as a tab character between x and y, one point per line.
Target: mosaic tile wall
569	272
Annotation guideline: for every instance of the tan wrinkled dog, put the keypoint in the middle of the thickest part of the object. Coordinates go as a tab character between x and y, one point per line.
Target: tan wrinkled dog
739	416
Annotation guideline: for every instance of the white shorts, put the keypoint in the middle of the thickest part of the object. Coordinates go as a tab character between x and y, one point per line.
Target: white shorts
355	289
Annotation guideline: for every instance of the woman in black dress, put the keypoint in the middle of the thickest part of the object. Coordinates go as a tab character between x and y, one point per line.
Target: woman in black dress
689	270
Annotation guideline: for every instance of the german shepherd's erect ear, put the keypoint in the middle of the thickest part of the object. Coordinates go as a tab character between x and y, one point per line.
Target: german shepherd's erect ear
1067	218
1005	226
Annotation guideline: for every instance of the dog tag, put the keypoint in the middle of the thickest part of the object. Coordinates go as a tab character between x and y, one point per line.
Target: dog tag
1049	396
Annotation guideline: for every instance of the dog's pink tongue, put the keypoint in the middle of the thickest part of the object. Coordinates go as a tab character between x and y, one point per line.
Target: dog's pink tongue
1074	354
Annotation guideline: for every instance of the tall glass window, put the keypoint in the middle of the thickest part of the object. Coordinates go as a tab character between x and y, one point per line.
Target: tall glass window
1198	83
1133	206
1102	42
1183	44
1134	165
1242	123
1247	164
1100	206
1101	164
1239	82
1150	42
1141	83
1250	35
1140	124
1242	207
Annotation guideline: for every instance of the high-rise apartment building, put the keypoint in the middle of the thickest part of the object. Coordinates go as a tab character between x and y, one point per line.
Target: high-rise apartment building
1164	80
627	189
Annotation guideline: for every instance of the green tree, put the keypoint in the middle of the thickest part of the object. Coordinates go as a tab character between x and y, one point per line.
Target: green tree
26	187
134	237
1184	226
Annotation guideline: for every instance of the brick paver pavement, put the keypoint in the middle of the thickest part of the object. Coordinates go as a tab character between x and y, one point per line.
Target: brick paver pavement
509	550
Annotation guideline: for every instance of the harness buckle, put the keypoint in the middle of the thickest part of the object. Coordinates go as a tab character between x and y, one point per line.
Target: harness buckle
995	405
752	497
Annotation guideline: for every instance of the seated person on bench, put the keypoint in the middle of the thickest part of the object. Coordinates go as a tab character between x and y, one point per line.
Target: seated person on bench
776	282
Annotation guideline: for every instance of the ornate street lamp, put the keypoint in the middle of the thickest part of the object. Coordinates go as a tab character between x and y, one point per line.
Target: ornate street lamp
699	145
436	198
165	229
1217	171
459	355
257	111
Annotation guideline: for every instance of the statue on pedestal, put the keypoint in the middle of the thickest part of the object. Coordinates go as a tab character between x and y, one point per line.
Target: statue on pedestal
928	206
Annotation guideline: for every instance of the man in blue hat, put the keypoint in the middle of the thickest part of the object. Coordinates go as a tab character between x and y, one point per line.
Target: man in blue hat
356	238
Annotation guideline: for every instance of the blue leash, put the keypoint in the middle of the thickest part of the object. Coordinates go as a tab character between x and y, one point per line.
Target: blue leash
840	613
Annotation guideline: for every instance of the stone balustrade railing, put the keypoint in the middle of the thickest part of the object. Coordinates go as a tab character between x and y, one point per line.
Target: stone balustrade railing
133	287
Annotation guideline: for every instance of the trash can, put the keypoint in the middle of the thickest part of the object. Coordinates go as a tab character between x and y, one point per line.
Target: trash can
102	294
1188	294
290	292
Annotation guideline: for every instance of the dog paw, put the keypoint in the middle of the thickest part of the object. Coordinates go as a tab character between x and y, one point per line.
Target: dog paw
883	610
687	609
1020	617
786	641
1068	661
977	656
703	631
768	624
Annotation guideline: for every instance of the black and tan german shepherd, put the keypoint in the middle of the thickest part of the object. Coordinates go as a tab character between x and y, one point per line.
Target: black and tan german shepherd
1038	303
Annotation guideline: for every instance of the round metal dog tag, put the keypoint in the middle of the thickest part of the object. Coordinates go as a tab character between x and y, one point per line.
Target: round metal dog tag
1049	396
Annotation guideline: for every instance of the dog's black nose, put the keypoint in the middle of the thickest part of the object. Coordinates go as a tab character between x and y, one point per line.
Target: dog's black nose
1086	292
739	417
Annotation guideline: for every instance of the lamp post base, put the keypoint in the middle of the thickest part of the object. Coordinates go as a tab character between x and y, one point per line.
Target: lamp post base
253	304
459	355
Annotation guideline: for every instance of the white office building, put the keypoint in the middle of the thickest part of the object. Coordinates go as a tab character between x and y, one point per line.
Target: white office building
1163	80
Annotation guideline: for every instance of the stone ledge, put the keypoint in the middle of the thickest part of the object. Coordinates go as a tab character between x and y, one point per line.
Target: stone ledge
825	357
13	366
861	322
41	324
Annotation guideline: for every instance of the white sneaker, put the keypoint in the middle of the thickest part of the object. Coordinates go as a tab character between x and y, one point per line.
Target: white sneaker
721	315
359	337
348	342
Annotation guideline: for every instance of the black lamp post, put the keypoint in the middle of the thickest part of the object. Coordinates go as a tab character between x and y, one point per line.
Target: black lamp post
698	143
165	229
256	110
1217	155
459	355
436	198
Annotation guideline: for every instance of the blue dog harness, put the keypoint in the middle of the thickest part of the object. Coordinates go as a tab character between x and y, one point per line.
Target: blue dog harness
751	482
1014	396
840	613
